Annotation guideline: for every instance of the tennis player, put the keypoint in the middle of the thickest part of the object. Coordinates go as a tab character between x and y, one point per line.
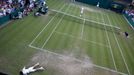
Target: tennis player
98	4
126	34
82	10
31	69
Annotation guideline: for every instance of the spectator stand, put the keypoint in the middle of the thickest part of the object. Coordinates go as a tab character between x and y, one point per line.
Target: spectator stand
15	9
129	14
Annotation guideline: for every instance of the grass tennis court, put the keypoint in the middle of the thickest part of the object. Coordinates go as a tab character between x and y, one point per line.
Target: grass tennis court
61	35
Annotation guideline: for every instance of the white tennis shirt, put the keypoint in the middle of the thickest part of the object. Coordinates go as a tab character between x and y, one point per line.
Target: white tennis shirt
28	70
82	10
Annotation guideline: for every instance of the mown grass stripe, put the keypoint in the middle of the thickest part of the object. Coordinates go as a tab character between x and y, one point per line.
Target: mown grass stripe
45	26
110	46
54	29
120	49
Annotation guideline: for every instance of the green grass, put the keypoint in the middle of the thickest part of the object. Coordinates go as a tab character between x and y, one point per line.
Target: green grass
67	35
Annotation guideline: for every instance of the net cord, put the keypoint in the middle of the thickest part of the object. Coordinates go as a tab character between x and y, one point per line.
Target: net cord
85	19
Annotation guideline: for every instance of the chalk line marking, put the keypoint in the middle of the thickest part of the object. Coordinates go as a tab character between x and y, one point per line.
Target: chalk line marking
44	50
46	26
85	19
108	39
54	29
82	32
128	22
120	49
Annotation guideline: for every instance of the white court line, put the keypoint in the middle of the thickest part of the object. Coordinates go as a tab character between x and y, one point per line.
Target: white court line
44	50
54	29
87	8
46	25
128	22
82	32
66	34
98	20
52	32
85	19
82	15
130	34
120	49
108	39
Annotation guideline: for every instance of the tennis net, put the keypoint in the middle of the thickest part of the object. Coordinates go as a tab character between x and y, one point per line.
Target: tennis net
91	23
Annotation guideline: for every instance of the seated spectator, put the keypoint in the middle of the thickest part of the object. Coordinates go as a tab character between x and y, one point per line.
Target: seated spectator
1	14
22	4
37	14
46	8
10	1
4	11
31	6
8	10
20	15
25	12
10	6
43	9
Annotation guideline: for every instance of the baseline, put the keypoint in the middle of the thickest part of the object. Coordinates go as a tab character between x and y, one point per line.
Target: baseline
44	50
